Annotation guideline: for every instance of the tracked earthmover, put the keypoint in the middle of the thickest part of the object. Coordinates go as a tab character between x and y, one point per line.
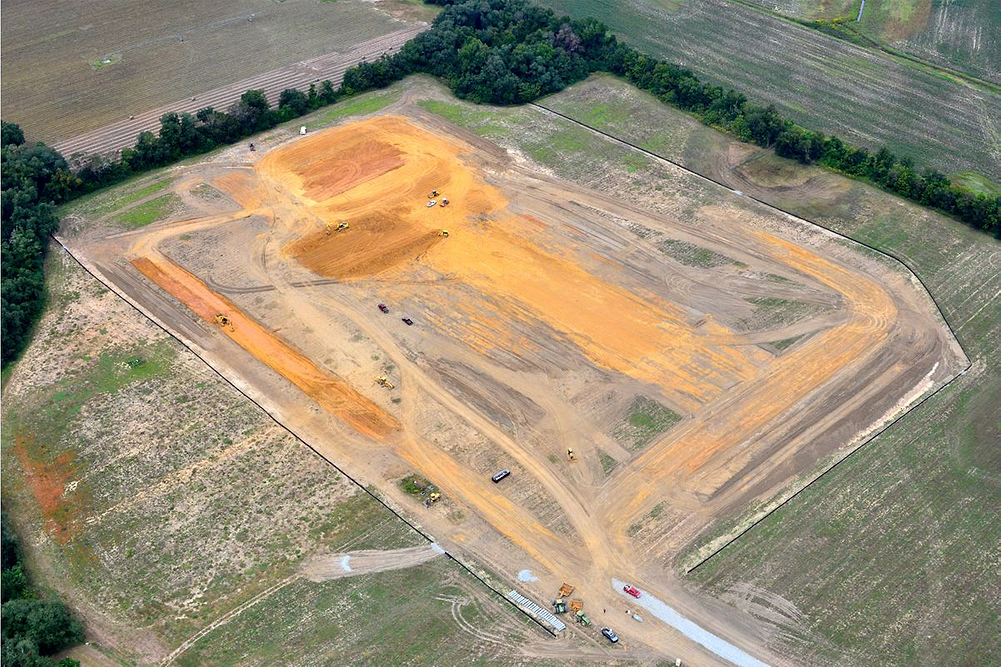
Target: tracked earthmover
384	381
224	322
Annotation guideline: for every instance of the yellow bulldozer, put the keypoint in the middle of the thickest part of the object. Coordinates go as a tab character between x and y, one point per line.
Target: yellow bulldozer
224	322
384	381
339	227
443	233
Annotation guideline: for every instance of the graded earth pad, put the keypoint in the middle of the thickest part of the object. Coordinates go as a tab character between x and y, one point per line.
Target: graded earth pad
509	259
548	318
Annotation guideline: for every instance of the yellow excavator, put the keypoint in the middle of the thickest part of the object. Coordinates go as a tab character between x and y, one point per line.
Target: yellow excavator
224	322
384	381
443	233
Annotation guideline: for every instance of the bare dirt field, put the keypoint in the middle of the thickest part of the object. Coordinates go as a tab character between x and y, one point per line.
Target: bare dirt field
698	355
56	84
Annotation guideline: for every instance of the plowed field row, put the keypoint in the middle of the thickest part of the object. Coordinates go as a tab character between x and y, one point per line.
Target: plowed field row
819	81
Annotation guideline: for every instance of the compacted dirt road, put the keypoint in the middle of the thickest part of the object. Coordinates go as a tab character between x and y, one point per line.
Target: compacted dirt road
545	316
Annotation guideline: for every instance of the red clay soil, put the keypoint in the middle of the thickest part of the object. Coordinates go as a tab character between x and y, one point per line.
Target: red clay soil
47	482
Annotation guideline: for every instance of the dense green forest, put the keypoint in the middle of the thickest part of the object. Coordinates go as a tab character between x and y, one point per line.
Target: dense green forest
33	627
496	51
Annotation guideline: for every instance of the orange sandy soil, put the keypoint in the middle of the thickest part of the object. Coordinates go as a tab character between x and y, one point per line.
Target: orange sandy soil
518	275
330	392
504	255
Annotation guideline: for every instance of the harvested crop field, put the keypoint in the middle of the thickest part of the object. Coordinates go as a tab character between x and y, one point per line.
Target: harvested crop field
821	82
963	35
548	318
54	54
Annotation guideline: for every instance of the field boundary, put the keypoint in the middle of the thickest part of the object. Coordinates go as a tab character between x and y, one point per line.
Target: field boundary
190	348
330	67
875	45
885	253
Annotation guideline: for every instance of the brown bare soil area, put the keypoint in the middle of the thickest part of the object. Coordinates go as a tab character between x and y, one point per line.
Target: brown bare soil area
327	390
544	320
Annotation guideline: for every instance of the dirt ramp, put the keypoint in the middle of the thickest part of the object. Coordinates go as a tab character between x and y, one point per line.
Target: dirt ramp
354	563
335	395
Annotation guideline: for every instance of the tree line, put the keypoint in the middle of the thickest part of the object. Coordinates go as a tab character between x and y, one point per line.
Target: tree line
512	51
33	627
36	179
486	51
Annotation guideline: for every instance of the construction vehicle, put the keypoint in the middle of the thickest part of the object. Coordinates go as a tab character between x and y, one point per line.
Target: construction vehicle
566	590
434	193
252	147
224	321
582	619
432	498
340	227
559	606
384	381
576	605
443	233
570	456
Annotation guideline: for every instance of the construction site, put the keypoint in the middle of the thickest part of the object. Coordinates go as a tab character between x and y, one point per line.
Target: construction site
582	384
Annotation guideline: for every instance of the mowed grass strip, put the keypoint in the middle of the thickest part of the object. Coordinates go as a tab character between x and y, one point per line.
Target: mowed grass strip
364	105
148	212
108	201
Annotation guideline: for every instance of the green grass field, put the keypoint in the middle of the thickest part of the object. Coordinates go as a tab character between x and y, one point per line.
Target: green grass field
819	81
147	212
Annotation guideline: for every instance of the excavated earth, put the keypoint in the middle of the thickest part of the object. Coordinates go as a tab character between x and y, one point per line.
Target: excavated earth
543	318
